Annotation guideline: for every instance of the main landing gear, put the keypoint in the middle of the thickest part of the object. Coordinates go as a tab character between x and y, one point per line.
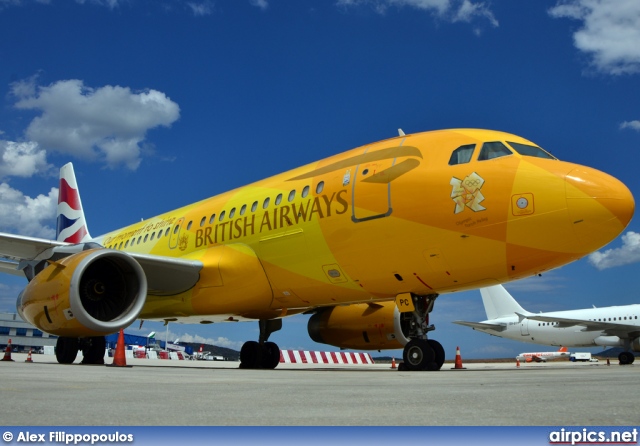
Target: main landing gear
262	354
421	353
92	349
626	357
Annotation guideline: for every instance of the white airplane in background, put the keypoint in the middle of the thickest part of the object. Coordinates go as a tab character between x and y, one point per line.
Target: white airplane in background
542	356
606	326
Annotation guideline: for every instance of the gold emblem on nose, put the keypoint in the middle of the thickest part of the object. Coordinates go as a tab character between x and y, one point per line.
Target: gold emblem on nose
466	193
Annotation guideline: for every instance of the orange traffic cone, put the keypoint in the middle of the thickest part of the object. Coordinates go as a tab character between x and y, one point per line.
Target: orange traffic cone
517	363
393	362
29	357
119	359
458	361
7	352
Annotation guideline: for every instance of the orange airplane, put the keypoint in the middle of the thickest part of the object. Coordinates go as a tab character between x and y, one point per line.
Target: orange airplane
365	240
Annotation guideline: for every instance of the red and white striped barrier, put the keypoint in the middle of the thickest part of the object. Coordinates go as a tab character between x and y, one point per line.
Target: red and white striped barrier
307	357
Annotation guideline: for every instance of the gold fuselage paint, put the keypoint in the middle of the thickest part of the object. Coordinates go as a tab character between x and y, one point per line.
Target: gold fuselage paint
384	219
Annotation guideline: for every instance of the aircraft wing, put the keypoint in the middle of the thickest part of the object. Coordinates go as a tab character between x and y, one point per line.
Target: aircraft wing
20	247
168	275
623	331
165	275
482	325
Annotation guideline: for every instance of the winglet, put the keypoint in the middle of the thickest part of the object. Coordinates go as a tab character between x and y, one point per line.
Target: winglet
71	225
400	132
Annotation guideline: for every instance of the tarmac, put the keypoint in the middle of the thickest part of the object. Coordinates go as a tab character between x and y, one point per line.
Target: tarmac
218	393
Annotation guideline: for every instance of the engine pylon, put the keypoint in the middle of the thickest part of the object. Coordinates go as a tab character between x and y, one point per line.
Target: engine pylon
458	361
7	353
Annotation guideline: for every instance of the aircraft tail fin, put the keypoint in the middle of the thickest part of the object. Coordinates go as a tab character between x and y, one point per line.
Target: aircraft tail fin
498	302
71	225
563	349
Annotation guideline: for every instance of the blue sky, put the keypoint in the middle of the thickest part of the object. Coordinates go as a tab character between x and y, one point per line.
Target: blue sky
160	103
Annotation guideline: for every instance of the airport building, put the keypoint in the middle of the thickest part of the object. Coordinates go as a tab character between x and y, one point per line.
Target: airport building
22	334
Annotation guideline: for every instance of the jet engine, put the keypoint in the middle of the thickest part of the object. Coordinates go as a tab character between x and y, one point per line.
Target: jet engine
373	326
90	293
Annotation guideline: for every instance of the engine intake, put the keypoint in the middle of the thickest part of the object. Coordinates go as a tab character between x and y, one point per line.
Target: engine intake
91	293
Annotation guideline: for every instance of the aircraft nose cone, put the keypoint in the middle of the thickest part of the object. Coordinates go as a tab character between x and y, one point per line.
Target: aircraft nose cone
600	206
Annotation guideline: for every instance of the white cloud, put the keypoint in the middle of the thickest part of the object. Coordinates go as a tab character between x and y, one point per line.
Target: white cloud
218	342
262	4
25	215
22	159
111	4
628	253
201	9
449	10
107	123
633	125
610	32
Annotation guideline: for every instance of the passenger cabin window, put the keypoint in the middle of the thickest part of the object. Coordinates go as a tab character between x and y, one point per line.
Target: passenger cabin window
243	209
266	203
254	206
278	199
462	154
202	221
213	217
305	192
527	150
492	150
222	214
292	195
320	187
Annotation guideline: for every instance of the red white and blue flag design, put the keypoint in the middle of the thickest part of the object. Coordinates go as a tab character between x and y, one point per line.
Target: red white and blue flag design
71	226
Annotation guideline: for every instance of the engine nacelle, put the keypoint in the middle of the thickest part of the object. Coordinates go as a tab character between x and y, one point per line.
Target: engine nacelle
375	326
91	293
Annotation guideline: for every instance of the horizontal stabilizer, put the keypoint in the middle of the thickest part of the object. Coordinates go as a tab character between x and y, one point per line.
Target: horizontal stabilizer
482	325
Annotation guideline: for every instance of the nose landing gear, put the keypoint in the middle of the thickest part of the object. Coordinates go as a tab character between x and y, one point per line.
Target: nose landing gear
421	353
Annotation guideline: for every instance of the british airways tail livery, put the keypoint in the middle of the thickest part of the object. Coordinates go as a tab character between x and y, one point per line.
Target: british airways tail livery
366	240
607	326
71	226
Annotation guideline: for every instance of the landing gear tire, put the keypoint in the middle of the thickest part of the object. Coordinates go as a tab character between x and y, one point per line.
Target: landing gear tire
438	350
626	358
250	355
270	355
93	350
66	350
417	354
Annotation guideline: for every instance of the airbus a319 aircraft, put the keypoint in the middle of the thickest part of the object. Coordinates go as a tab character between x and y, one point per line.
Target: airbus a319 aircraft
617	326
366	240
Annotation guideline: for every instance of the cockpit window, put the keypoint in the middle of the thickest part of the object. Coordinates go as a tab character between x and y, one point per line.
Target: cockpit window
527	150
491	150
462	154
